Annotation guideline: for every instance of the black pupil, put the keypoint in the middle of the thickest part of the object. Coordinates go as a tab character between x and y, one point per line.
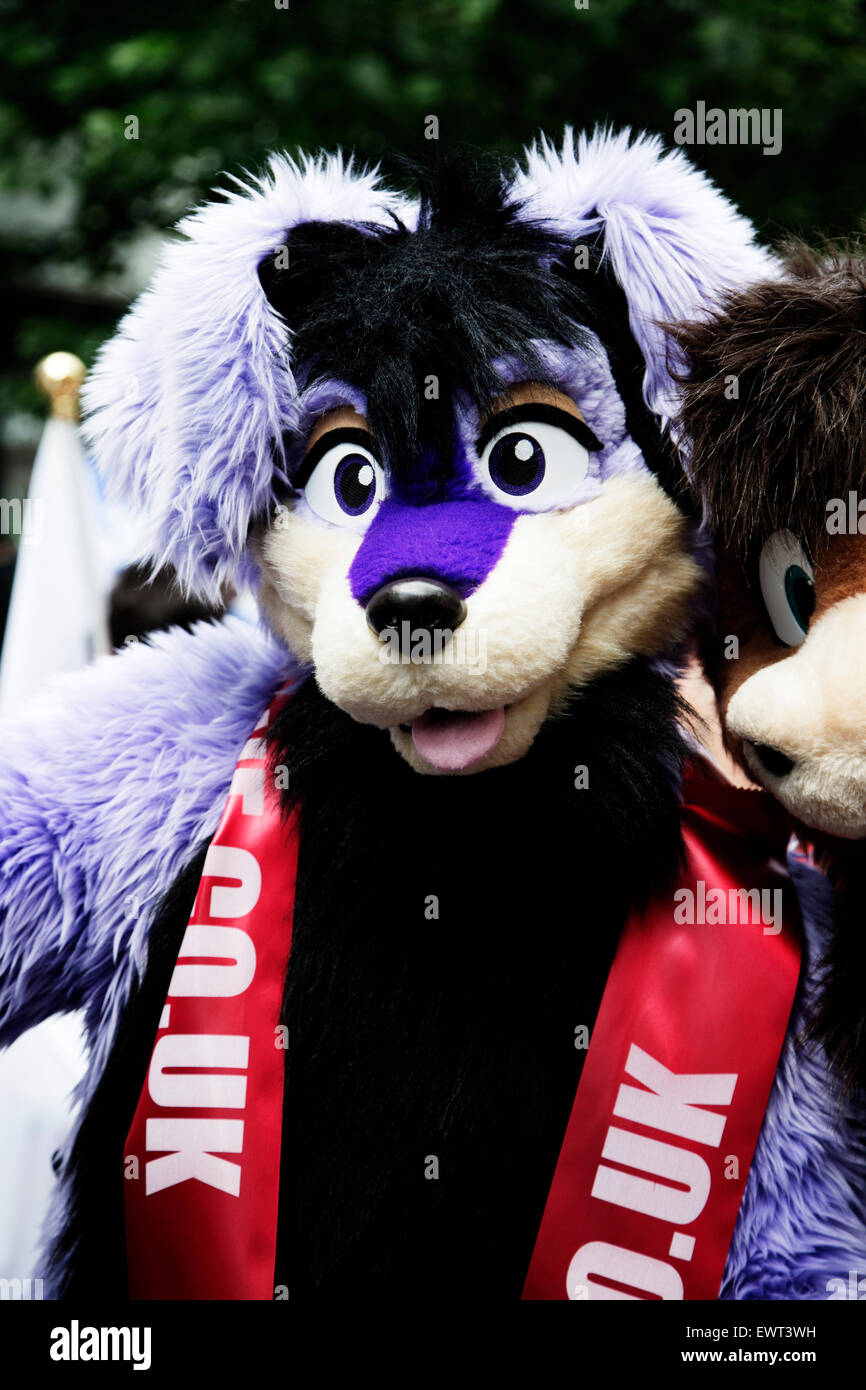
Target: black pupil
513	468
353	492
800	592
515	462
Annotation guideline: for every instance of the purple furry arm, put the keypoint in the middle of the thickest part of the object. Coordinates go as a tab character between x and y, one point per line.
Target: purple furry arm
802	1221
106	787
41	963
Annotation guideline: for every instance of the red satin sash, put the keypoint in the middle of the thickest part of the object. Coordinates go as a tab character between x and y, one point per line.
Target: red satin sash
682	1057
201	1200
667	1113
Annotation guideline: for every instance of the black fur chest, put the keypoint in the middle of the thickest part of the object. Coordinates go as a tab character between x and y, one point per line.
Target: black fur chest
450	936
432	1003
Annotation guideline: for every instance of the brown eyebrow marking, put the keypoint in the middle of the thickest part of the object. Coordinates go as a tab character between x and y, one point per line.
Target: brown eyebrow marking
543	411
536	391
339	416
343	434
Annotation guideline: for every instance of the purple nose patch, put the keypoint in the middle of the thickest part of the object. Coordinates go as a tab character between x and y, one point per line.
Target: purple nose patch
457	542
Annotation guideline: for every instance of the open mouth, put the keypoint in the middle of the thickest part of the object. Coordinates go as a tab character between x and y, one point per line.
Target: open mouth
451	740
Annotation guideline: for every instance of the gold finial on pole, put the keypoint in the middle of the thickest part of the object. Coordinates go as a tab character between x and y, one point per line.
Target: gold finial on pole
60	376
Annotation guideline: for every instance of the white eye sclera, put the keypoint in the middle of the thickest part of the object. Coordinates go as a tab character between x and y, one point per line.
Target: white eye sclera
346	485
535	464
787	587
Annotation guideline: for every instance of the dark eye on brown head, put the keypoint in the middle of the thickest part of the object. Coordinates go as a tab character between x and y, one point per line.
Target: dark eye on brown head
787	587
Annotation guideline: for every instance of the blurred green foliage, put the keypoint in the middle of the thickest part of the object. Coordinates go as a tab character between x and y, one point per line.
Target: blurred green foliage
216	85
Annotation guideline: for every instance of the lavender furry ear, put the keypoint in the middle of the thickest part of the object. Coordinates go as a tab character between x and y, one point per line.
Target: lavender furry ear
672	239
187	404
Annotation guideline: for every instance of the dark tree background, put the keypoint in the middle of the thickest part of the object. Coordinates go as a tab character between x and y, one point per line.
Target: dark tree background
216	84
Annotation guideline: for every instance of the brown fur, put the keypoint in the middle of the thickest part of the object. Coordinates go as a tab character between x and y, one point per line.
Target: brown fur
773	458
840	570
797	434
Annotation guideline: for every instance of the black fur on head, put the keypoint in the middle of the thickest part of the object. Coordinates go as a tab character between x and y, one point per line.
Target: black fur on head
796	435
385	309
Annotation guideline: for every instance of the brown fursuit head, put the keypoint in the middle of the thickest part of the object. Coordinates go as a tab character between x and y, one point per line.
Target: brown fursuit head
773	418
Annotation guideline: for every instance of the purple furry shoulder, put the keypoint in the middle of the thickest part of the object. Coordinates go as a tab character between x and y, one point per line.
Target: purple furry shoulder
802	1223
107	785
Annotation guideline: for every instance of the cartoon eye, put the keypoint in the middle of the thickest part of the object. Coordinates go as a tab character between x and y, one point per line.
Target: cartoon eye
787	587
537	464
345	482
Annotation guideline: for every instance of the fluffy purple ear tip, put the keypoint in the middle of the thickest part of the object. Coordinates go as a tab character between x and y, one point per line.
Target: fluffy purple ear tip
188	403
674	240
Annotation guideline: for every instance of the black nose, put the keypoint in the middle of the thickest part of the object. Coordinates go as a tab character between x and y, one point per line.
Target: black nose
776	763
410	605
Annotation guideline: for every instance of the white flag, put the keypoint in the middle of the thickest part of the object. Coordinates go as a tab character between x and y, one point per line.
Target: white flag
58	610
57	622
37	1076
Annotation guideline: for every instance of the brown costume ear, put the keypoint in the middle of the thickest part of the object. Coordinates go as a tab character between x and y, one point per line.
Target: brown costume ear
773	411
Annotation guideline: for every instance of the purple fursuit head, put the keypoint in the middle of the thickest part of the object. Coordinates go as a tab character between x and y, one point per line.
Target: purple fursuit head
430	433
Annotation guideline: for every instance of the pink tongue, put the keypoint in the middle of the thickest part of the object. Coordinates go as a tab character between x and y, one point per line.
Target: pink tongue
454	739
